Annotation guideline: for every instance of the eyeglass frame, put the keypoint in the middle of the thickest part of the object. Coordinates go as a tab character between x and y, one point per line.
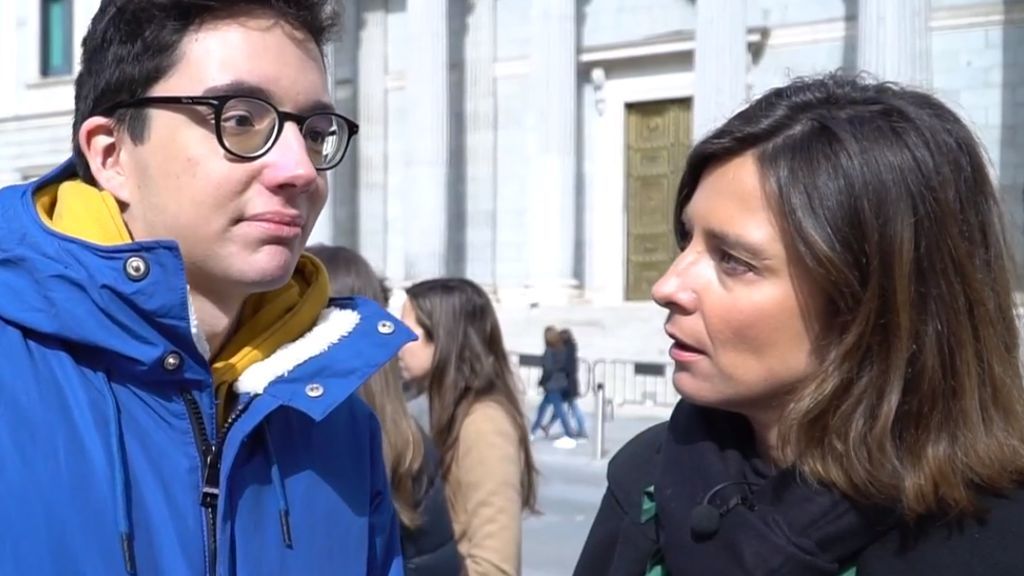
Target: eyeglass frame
220	101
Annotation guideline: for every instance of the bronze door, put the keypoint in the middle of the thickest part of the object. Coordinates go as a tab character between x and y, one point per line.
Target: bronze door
657	141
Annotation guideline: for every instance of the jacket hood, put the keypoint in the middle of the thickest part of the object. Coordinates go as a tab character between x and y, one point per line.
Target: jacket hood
91	295
90	285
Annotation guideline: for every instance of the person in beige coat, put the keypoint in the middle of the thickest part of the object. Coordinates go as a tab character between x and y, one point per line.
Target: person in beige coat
476	420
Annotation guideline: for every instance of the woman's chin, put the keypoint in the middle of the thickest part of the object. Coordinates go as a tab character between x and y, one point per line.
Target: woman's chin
697	391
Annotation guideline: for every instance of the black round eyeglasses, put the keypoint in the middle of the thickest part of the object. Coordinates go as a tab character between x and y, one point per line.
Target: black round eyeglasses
247	127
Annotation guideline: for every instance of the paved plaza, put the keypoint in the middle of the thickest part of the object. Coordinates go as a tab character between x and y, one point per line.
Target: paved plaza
572	483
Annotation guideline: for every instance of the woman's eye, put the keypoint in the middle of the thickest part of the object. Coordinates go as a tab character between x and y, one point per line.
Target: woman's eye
732	265
683	237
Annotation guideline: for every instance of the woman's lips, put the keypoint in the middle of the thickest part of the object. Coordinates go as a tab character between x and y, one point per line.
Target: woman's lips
683	351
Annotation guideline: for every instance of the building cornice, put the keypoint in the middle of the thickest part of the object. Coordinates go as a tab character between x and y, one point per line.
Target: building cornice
990	15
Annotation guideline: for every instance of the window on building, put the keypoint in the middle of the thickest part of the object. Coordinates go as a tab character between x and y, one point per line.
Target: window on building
55	37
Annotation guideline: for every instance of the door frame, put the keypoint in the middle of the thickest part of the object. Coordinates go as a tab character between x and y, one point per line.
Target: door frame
606	254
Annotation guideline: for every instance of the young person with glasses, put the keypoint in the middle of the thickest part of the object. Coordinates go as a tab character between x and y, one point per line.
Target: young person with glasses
178	389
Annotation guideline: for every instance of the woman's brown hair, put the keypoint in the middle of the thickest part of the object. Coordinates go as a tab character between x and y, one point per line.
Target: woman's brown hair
351	275
885	200
470	365
553	338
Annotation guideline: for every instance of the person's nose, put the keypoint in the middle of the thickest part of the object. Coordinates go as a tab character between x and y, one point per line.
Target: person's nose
289	166
675	290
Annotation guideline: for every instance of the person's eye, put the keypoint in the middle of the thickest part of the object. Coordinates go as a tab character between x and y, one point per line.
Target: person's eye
683	237
316	137
732	265
238	120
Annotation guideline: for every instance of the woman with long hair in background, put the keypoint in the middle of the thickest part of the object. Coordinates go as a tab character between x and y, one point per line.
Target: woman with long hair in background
476	419
414	464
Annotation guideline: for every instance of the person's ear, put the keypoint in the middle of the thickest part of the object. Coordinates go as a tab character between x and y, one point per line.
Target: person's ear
102	145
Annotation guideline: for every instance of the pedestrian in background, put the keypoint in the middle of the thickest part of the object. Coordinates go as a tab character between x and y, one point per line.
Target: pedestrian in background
476	419
842	323
554	380
571	393
413	462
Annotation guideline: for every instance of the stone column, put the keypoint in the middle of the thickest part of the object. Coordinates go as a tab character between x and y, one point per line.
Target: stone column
720	67
373	131
339	220
325	227
481	163
893	40
551	229
425	198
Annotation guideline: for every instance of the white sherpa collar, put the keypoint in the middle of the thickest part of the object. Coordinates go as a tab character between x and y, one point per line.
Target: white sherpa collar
332	325
197	334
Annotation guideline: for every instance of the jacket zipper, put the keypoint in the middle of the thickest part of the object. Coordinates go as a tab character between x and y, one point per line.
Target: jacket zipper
210	455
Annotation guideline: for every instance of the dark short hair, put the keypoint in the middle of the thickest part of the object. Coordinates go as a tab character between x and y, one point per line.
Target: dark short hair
884	199
132	44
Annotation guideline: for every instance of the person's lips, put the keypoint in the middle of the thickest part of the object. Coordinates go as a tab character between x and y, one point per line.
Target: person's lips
278	223
683	350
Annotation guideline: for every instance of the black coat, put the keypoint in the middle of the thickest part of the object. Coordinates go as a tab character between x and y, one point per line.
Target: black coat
429	549
555	370
572	370
620	544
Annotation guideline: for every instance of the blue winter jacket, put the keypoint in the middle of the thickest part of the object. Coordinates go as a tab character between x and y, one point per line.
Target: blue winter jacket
103	432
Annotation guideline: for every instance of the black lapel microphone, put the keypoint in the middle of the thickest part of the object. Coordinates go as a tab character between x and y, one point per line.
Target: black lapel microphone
705	519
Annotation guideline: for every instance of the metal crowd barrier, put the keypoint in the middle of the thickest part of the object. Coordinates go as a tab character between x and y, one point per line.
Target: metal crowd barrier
611	382
629	382
600	407
625	381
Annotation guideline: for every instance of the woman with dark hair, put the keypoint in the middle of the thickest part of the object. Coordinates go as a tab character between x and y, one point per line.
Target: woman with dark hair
554	380
842	323
428	541
475	418
572	392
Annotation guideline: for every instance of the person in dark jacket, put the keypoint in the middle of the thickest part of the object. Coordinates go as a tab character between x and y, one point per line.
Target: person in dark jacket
414	465
572	391
842	323
554	380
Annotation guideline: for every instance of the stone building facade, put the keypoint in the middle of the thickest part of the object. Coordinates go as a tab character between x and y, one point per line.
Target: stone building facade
534	145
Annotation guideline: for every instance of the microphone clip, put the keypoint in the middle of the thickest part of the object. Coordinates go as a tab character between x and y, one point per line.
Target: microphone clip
706	520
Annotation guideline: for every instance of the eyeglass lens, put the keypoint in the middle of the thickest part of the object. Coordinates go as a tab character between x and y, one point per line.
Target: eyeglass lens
248	127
